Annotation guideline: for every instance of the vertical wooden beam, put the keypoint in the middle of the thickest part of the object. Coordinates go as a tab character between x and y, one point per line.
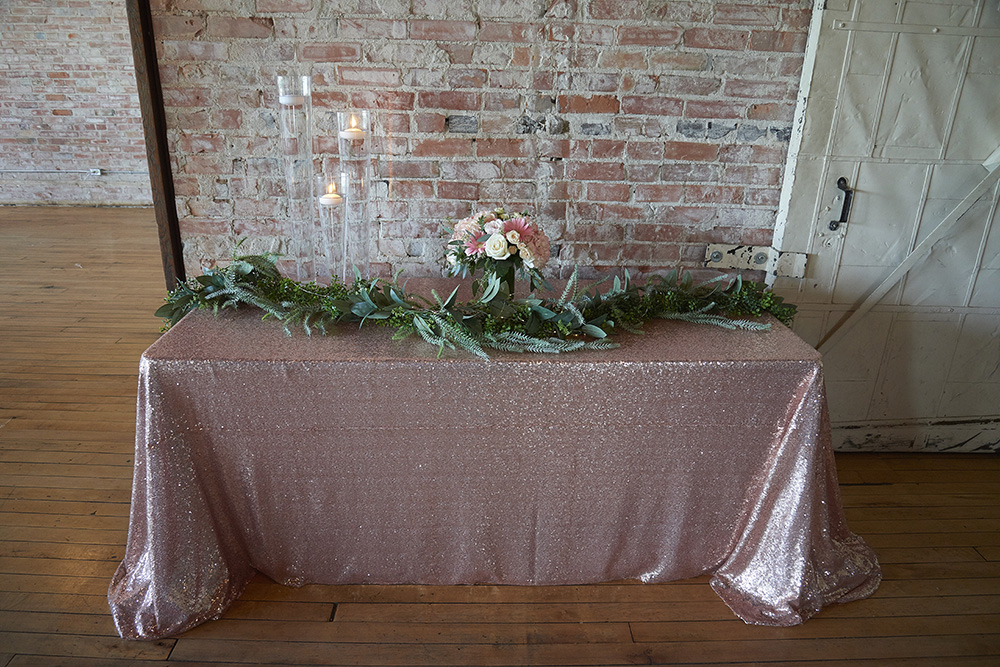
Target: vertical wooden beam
154	124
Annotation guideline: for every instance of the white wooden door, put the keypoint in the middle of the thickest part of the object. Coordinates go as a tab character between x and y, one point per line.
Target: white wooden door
902	99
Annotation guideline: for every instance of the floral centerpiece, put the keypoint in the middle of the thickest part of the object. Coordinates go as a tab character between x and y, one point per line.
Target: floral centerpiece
499	244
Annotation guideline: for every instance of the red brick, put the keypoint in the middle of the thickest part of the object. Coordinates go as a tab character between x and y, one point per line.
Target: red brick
604	149
688	150
620	59
619	10
177	27
594	34
650	253
227	27
649	36
772	111
758	89
466	78
62	112
330	99
659	233
689	85
284	5
645	150
657	192
509	32
727	14
350	28
504	148
768	154
660	106
752	175
588	104
688	216
673	60
596	171
409	169
608	192
713	194
411	189
331	52
757	236
616	213
457	190
383	99
761	196
714	109
359	76
501	101
206	163
795	19
683	12
469	171
643	173
443	147
770	40
449	100
430	122
603	233
186	97
714	38
196	50
448	31
201	143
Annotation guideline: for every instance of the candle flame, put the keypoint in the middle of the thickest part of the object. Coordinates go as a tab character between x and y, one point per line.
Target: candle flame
354	122
331	189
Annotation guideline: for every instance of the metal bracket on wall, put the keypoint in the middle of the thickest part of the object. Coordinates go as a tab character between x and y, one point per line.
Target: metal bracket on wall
758	258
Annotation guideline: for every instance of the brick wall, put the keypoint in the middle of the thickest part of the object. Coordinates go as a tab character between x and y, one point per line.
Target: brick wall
68	104
637	130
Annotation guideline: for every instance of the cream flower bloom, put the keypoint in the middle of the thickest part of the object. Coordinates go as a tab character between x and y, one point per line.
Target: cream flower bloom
526	256
513	236
496	246
493	227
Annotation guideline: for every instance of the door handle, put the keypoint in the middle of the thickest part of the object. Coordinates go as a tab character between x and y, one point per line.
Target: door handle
846	210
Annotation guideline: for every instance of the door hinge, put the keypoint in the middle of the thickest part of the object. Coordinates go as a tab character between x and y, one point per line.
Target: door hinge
756	257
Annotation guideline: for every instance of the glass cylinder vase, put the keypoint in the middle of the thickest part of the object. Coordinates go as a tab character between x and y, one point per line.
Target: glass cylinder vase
295	121
331	204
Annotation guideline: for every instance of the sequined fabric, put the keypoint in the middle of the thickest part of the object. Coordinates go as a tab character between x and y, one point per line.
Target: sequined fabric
358	459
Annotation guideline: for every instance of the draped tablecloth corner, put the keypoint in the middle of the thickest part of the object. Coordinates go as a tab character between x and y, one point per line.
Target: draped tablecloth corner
358	459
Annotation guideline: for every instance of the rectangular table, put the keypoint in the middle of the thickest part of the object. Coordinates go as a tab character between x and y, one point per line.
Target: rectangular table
358	459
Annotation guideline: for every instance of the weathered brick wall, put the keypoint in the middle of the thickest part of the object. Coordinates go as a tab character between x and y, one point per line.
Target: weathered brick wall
68	104
637	130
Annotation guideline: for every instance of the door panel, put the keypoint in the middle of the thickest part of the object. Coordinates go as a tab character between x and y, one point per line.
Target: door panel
904	101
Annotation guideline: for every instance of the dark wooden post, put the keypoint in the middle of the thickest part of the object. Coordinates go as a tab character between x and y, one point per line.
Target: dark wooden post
147	76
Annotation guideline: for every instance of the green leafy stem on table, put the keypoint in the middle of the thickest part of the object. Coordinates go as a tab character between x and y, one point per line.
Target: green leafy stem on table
581	318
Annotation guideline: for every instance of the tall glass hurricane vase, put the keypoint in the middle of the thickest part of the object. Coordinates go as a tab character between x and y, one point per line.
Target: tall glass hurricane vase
295	100
355	139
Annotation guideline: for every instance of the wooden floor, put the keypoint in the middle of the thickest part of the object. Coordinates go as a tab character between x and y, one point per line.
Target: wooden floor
77	289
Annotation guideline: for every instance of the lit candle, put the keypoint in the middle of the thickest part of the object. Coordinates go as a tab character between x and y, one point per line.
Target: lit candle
331	198
353	133
292	100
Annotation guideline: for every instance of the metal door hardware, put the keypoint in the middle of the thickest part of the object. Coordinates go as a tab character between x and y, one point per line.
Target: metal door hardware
846	210
759	258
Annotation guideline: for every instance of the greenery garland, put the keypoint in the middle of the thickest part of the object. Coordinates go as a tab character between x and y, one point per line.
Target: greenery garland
581	318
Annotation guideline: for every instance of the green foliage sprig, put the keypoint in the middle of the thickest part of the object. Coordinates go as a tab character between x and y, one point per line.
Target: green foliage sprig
581	318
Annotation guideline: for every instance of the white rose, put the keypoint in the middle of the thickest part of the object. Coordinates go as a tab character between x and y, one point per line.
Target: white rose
493	227
526	256
496	247
513	236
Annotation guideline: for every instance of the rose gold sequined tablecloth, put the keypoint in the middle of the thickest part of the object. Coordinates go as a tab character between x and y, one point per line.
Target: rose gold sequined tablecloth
358	459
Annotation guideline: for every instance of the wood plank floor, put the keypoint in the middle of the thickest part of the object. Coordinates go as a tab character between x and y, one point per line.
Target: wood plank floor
77	289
